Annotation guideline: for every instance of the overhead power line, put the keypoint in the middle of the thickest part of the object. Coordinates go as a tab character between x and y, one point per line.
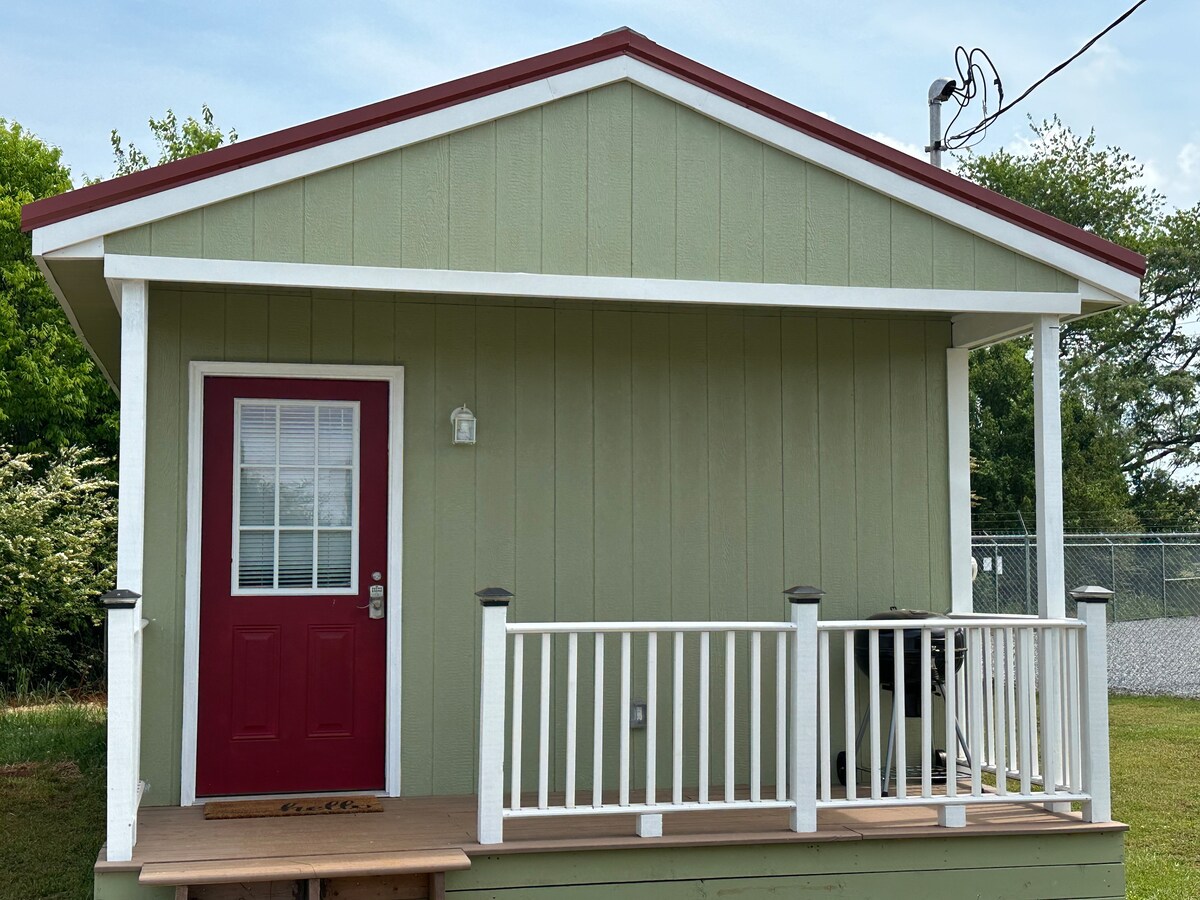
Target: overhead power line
971	84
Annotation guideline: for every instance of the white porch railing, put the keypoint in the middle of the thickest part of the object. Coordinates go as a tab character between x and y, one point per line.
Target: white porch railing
793	782
124	630
1028	697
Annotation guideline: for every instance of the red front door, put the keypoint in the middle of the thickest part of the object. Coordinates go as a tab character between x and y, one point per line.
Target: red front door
293	539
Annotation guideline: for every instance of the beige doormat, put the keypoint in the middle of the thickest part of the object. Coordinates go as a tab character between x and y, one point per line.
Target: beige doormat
290	806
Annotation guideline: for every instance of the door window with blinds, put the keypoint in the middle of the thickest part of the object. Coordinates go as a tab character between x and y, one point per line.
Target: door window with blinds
295	497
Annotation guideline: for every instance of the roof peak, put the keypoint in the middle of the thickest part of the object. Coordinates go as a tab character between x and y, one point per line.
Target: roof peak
623	41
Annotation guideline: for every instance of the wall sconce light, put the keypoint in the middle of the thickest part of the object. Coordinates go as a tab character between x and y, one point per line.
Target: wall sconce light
463	421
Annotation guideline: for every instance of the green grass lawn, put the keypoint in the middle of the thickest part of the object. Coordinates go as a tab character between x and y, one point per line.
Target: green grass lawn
1156	790
52	797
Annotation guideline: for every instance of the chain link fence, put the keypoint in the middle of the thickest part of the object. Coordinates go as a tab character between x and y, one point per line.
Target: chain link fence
1153	576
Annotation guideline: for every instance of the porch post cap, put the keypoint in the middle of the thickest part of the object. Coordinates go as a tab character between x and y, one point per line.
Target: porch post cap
121	598
1091	594
804	593
494	596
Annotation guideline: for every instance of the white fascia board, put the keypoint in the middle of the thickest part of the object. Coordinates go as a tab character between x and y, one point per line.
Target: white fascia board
581	287
1106	278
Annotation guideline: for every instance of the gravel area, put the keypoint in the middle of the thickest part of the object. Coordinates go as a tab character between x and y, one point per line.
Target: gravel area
1155	656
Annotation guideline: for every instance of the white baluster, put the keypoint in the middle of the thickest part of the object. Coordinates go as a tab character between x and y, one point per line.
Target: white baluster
999	690
702	763
926	712
975	707
1025	729
951	816
572	713
518	692
898	722
848	705
598	723
873	711
730	701
677	724
781	727
624	713
544	729
755	716
650	825
824	754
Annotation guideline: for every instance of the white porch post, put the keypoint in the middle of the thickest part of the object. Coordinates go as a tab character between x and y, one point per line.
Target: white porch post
492	668
1093	669
1047	448
125	614
959	442
802	712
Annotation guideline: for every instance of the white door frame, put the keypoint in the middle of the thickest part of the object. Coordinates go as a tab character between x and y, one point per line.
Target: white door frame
198	371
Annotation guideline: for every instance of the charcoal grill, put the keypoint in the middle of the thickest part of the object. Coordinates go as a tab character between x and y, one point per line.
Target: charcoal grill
910	646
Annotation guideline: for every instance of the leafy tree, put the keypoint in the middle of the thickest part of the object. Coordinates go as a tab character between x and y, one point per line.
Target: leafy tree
57	528
1131	386
51	393
174	141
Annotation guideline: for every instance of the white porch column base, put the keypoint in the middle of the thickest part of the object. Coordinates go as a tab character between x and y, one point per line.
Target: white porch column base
952	816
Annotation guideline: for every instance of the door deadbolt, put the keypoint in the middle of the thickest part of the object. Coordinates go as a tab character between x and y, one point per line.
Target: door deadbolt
375	603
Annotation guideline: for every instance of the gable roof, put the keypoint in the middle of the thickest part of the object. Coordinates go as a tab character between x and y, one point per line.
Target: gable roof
622	42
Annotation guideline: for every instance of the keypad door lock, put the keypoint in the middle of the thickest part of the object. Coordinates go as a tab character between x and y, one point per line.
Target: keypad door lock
375	602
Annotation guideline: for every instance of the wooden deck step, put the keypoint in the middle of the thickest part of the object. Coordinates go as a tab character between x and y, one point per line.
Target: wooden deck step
296	868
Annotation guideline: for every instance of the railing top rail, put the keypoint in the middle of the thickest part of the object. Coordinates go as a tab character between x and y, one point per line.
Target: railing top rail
942	623
635	627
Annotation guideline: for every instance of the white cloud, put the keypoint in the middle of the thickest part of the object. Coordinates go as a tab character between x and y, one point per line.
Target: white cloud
903	146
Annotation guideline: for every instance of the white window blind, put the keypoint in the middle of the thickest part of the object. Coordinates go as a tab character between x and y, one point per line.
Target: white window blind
295	496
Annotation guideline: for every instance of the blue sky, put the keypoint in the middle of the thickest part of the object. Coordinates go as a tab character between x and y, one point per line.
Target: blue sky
78	69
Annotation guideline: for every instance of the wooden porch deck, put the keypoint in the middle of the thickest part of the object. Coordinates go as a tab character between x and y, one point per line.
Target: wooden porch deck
422	824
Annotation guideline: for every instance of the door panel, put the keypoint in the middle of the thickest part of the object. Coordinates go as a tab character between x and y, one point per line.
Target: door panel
293	537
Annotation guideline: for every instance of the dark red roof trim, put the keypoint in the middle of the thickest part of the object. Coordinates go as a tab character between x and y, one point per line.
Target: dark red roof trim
615	43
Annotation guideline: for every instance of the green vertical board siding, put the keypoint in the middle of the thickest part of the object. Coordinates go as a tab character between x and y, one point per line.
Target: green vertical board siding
741	216
785	217
873	463
609	180
519	192
565	186
617	181
329	217
377	210
229	229
279	223
472	199
424	205
674	464
870	241
654	166
424	423
178	236
697	196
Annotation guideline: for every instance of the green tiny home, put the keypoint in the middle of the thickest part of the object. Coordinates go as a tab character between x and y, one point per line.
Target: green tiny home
636	347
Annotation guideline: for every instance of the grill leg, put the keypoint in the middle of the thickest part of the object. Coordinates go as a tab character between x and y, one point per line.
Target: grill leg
887	760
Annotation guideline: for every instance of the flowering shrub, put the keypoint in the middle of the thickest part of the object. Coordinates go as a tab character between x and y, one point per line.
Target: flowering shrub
58	515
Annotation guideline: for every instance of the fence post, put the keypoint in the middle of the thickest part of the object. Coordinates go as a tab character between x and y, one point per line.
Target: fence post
490	822
1092	603
802	765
